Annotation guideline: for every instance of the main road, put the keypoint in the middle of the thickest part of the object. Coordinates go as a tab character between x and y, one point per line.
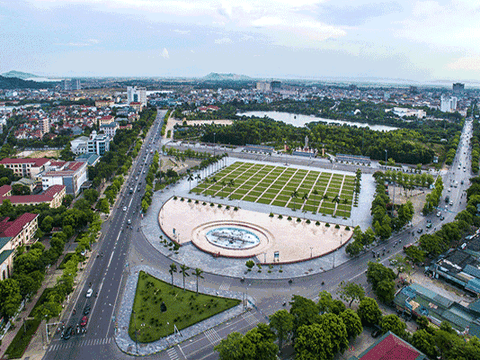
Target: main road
107	274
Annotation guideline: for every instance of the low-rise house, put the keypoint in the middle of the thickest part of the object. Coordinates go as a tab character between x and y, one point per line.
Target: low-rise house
53	196
71	174
26	167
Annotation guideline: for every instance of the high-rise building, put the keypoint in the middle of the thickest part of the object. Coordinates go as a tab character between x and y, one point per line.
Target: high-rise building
44	124
71	84
135	94
458	88
264	86
448	103
98	144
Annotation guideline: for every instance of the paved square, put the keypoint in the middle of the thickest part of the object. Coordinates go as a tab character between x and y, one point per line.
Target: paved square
306	190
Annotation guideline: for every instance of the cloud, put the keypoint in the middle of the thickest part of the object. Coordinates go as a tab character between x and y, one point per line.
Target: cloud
466	63
224	40
165	54
182	32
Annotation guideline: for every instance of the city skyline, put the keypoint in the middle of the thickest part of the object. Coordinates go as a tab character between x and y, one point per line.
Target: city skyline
413	40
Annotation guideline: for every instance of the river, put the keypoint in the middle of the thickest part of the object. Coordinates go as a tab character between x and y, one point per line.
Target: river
301	120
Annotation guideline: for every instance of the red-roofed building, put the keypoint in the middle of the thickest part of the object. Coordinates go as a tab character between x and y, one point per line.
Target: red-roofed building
52	196
26	167
137	106
390	347
72	174
21	230
108	119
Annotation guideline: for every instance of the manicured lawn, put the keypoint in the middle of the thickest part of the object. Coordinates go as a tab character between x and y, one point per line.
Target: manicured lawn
265	183
183	308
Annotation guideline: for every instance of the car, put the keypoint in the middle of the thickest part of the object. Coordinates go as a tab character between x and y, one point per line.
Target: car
86	311
124	208
419	231
67	334
89	293
84	321
129	221
429	225
442	218
439	214
377	331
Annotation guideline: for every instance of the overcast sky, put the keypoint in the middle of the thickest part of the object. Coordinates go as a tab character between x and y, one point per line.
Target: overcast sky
416	40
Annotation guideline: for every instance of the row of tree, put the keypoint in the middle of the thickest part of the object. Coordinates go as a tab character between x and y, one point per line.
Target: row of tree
152	171
432	200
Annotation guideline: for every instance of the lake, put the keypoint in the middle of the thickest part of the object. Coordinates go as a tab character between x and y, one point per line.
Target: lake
301	120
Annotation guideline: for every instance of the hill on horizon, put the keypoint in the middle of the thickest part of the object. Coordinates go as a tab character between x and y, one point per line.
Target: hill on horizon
19	75
226	77
11	83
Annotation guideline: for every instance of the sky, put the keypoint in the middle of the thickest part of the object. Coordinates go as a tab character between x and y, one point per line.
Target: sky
415	40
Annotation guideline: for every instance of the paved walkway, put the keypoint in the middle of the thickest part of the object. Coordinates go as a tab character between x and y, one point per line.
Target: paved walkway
194	258
127	345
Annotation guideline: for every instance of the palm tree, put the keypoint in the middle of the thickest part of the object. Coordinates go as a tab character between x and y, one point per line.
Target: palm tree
304	198
223	183
173	269
198	178
315	194
190	179
294	196
336	200
183	270
198	274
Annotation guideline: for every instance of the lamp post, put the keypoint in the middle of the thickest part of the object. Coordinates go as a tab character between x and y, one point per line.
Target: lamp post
213	144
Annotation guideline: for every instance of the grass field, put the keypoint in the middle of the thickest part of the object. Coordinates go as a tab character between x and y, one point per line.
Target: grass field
305	190
183	308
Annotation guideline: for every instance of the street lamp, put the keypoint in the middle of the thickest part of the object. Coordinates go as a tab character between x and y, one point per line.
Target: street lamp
213	144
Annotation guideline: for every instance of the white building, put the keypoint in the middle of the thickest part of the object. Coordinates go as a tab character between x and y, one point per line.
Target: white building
79	145
98	144
404	112
71	174
135	94
448	103
109	129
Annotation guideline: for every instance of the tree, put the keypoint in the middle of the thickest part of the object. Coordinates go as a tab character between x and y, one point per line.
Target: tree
350	292
385	291
369	312
198	274
262	338
91	195
304	311
336	332
352	322
190	178
401	264
183	270
172	270
47	224
377	272
282	323
415	254
234	347
312	343
103	206
425	342
294	196
10	297
394	324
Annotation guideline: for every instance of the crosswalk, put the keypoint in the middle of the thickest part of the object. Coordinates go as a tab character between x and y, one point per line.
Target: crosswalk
60	345
172	353
250	318
225	286
212	336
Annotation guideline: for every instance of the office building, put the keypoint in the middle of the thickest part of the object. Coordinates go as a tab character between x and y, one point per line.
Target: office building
98	144
458	88
44	125
135	95
264	86
71	174
71	84
448	103
26	167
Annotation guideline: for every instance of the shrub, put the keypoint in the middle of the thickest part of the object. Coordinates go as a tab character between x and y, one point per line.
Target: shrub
299	220
219	205
235	208
347	228
227	207
289	218
327	225
212	204
196	201
317	223
337	226
280	216
308	221
204	203
189	200
271	215
175	198
182	199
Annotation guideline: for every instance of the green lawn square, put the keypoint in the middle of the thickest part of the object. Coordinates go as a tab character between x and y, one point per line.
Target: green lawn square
326	211
264	201
250	198
235	196
242	191
328	204
279	203
310	208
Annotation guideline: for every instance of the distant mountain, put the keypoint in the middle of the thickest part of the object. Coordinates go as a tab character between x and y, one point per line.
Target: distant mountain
18	75
226	77
15	83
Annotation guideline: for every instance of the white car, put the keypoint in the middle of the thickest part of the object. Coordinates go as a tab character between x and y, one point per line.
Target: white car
124	208
89	293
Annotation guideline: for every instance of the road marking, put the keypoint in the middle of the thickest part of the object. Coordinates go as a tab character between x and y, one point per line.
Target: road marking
172	353
212	336
250	318
115	303
225	286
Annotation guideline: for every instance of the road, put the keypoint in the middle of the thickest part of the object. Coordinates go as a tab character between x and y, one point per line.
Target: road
108	272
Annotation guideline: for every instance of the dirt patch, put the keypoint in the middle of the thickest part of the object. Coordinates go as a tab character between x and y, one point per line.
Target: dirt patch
170	162
416	196
39	154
